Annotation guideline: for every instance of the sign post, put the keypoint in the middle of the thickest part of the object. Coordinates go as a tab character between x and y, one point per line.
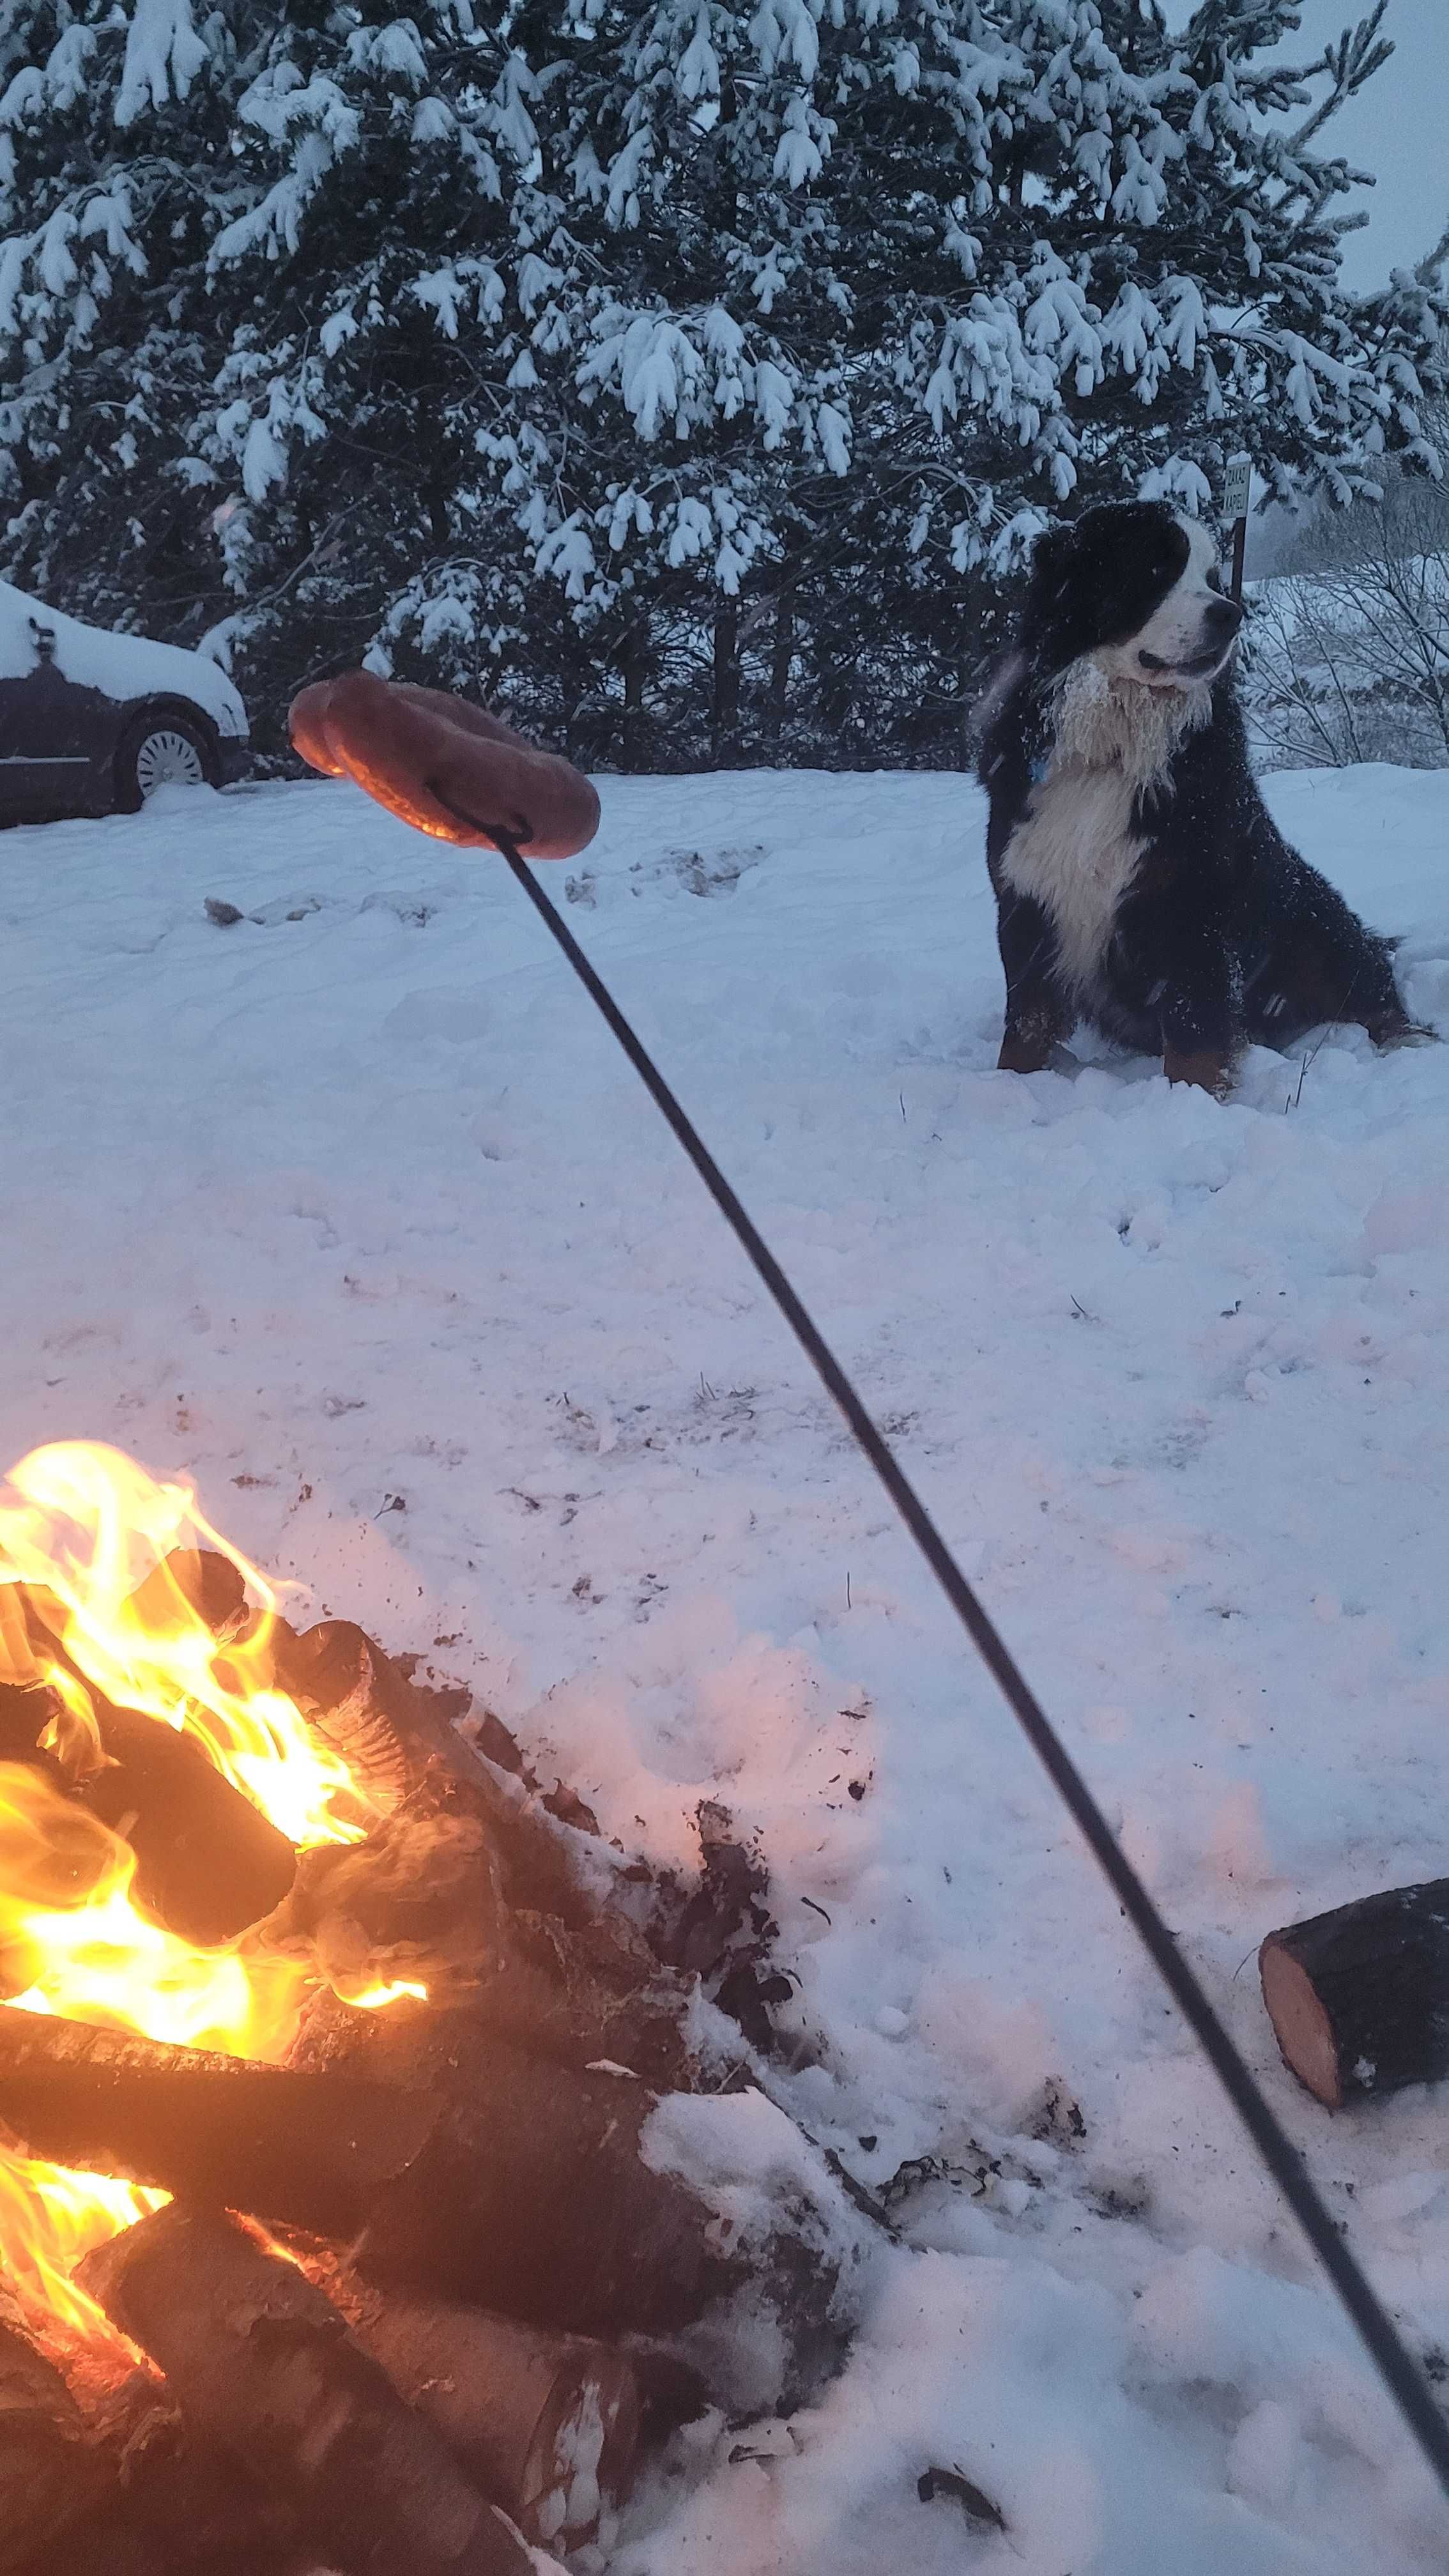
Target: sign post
1237	493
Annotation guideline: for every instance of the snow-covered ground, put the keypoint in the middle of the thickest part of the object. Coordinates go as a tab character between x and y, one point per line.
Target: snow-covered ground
359	1217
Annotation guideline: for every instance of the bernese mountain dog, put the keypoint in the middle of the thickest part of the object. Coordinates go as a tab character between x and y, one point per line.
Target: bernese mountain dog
1141	884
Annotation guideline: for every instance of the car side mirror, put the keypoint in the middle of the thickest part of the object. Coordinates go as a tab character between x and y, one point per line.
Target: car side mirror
43	639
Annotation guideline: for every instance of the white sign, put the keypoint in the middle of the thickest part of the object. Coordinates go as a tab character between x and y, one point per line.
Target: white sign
1237	487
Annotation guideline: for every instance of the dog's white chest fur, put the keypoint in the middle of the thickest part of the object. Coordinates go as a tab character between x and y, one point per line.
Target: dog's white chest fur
1074	850
1076	855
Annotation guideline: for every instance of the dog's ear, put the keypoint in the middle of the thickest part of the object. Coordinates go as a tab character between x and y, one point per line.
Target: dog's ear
1049	554
1046	588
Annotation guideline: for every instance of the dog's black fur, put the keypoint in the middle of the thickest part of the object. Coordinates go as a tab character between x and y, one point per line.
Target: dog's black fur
1222	934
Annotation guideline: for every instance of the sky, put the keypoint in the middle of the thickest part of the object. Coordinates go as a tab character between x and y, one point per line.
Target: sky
1398	127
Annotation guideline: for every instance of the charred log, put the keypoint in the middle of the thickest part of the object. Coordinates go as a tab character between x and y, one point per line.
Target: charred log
723	1932
178	2505
191	1584
50	2475
208	1863
528	2194
354	1699
308	2150
1359	1998
418	1901
422	1900
27	1712
258	2358
547	2425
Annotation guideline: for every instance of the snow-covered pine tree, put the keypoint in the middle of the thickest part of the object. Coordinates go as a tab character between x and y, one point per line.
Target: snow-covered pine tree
262	420
114	172
861	294
378	301
699	368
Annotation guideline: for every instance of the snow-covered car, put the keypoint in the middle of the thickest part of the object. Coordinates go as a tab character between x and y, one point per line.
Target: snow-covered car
94	723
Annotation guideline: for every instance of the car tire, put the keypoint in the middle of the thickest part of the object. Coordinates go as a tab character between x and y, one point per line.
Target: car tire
164	749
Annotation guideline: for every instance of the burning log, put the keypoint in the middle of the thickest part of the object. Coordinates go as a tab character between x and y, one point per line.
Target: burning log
533	2197
260	2360
548	2425
49	2474
418	1901
538	1940
1359	1997
208	1863
426	1898
353	1697
190	1583
308	2151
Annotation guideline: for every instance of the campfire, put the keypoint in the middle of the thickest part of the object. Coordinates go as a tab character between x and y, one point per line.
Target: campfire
341	2218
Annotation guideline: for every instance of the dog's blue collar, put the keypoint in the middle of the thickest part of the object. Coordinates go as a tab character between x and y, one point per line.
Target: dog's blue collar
1039	767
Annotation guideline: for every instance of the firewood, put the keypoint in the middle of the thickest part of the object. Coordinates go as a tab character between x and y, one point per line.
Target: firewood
354	1699
1359	1997
308	2150
181	2506
208	1863
564	1970
529	2195
627	2262
191	1583
534	2198
547	2425
418	1900
260	2360
430	1896
49	2473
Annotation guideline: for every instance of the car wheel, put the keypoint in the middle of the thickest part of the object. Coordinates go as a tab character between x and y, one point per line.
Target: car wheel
162	751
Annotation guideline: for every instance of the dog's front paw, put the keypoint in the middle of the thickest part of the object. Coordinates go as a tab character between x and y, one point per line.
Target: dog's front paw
1027	1048
1203	1067
1402	1033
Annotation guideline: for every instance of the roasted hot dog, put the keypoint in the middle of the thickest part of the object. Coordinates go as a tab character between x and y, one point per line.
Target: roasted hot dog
446	767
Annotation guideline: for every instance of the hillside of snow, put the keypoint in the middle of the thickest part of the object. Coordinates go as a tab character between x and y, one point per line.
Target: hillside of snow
352	1211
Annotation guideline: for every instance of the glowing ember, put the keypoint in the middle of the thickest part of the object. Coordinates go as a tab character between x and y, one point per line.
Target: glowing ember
80	1527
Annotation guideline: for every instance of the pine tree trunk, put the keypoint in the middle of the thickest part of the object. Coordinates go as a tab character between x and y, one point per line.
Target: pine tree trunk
781	658
968	704
725	710
633	664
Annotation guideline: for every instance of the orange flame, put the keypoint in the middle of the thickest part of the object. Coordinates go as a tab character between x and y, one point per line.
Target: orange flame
88	1525
49	2218
80	1527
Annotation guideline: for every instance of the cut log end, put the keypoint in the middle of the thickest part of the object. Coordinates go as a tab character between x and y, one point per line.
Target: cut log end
547	2425
1359	1997
1304	2033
